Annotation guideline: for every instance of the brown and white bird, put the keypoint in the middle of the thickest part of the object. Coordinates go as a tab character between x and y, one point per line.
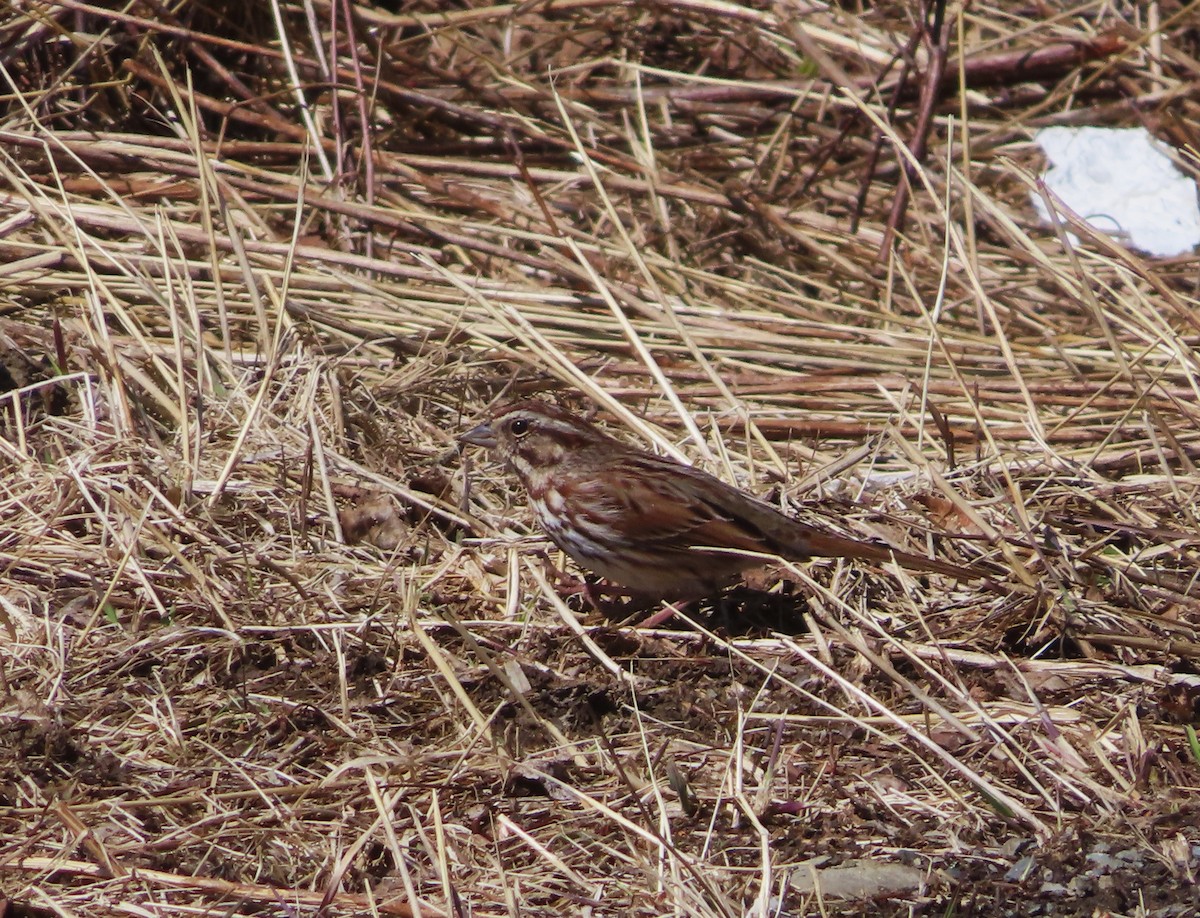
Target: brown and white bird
657	527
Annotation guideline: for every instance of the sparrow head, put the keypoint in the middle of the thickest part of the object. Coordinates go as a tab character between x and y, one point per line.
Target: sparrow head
534	435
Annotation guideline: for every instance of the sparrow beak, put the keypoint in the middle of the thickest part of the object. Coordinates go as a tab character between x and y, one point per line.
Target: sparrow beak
483	435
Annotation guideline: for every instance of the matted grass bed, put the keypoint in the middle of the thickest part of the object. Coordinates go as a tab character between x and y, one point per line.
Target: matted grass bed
272	644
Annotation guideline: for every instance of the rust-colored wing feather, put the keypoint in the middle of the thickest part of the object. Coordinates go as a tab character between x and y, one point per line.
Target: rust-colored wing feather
720	516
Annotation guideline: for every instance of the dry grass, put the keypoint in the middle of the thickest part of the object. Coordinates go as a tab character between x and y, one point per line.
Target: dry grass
263	650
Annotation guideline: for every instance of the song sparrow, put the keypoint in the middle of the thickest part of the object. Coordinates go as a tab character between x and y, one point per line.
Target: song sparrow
651	524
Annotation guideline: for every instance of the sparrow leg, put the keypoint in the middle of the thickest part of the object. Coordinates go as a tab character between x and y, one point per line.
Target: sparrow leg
665	614
605	598
596	592
564	584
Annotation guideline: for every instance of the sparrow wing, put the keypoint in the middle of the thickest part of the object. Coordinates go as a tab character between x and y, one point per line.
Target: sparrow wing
661	503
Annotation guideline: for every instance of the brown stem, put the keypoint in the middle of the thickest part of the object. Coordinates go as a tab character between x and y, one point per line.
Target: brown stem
938	38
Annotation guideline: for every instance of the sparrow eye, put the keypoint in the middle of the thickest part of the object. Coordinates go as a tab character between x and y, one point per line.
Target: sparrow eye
518	427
